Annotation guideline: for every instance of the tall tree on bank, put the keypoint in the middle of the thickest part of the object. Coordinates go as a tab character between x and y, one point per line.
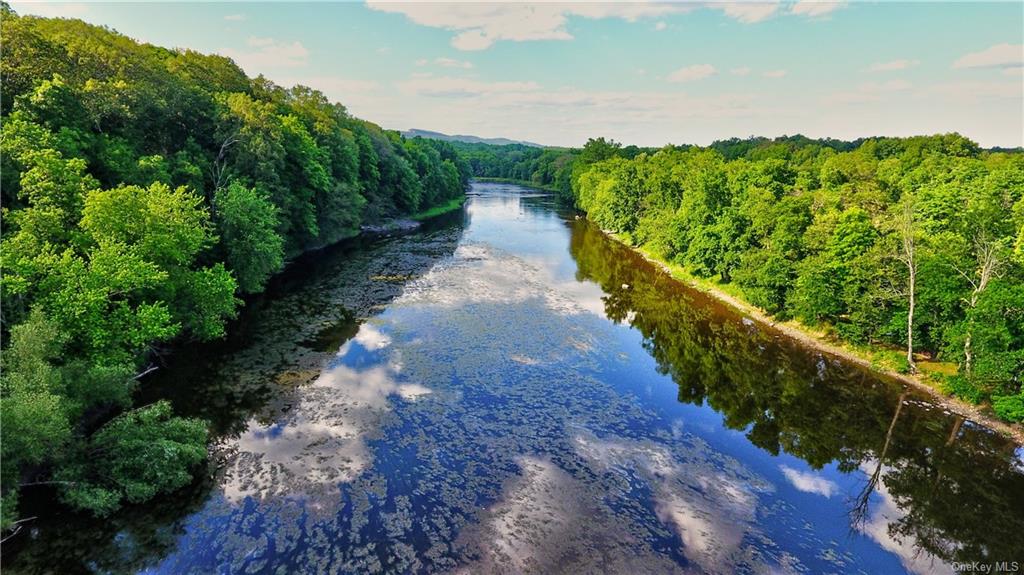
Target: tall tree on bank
907	230
990	256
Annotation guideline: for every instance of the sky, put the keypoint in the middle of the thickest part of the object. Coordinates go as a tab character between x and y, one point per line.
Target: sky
640	72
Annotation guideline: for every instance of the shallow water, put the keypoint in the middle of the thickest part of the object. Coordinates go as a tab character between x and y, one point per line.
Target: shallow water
508	390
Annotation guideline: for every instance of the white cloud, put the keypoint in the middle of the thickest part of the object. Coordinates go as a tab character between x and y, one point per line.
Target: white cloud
691	73
741	71
235	17
998	56
478	25
267	53
453	63
892	65
517	108
809	482
260	42
384	50
747	12
816	8
560	114
472	40
370	337
774	74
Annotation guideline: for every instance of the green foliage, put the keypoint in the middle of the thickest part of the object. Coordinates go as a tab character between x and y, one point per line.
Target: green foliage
135	456
34	418
166	227
99	302
548	168
816	230
247	223
142	188
1009	407
963	388
765	276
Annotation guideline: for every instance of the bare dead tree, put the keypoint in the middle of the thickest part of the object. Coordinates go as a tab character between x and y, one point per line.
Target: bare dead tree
906	226
218	171
989	260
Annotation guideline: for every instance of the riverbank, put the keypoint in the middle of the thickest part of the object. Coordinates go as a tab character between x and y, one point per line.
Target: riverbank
830	345
412	222
440	209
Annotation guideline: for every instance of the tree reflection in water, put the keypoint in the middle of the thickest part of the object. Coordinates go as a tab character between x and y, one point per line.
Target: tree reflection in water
959	489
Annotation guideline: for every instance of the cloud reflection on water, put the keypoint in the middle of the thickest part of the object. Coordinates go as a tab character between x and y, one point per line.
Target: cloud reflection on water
321	441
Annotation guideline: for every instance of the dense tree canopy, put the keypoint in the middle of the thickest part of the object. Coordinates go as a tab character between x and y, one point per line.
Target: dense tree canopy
143	190
911	242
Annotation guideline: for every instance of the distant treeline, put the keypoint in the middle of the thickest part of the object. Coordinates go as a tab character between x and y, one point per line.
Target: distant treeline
911	242
551	168
143	190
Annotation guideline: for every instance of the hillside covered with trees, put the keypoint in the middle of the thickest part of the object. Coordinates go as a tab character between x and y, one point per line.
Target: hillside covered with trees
145	190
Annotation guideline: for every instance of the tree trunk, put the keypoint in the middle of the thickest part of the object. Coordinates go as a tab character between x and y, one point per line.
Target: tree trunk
989	264
968	357
910	321
907	231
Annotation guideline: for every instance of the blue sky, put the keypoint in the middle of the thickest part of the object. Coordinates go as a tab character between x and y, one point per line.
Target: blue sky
642	73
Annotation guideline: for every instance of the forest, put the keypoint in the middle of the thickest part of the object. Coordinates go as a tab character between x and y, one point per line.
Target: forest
885	243
145	192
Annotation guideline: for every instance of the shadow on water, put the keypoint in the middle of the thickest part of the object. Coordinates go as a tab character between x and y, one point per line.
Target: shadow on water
958	486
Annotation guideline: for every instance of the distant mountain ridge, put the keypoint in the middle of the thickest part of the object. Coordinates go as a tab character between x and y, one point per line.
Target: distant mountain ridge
412	133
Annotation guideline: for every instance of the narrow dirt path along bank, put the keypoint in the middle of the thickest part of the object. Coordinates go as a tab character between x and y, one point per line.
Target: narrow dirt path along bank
967	410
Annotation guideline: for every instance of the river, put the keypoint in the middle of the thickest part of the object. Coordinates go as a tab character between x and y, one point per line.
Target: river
509	391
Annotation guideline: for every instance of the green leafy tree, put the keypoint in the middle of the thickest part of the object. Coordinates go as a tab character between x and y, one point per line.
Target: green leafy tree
137	455
247	223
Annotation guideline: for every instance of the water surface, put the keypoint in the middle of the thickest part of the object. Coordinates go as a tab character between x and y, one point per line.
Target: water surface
508	390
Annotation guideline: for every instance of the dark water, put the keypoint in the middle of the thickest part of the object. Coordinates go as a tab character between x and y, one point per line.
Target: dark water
510	391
